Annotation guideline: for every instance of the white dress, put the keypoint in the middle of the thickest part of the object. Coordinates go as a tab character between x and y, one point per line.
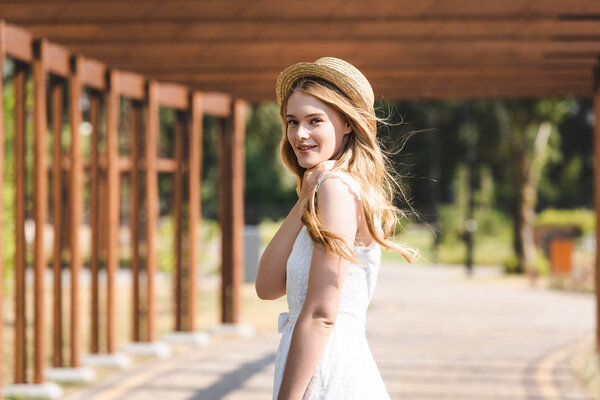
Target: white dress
346	369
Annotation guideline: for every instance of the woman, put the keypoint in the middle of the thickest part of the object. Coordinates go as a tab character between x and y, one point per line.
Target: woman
326	254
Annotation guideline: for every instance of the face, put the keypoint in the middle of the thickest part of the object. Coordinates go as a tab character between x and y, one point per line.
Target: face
316	131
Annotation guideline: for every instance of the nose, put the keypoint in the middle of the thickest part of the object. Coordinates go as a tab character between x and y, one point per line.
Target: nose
301	132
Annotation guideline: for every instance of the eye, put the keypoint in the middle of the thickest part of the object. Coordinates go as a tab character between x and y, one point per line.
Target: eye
292	122
316	120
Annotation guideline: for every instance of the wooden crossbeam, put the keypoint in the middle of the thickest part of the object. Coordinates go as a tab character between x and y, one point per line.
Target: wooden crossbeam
439	93
286	52
266	10
18	43
243	31
430	73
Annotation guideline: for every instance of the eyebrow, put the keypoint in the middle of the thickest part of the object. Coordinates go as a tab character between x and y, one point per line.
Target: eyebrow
309	115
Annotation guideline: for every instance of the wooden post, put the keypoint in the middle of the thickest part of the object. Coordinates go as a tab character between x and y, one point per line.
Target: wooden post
178	213
231	210
112	172
57	92
2	52
135	221
40	198
597	195
20	342
75	202
152	126
95	225
194	207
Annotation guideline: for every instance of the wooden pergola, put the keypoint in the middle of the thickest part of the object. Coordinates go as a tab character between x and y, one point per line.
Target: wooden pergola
204	57
407	49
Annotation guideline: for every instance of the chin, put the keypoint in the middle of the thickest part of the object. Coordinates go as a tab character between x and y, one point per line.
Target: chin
306	165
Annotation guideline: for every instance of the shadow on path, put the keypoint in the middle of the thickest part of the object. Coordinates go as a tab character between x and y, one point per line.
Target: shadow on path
233	380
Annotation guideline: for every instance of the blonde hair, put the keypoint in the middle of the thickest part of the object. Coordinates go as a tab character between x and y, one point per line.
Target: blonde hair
364	160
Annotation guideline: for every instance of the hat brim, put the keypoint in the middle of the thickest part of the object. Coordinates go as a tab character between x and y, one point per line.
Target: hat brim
341	74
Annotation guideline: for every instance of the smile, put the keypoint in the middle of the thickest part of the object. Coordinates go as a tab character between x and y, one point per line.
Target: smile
304	149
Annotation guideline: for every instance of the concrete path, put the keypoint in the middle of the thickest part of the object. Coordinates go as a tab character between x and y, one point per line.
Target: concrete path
434	333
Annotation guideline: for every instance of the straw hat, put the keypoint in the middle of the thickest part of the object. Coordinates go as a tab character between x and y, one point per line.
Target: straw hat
340	73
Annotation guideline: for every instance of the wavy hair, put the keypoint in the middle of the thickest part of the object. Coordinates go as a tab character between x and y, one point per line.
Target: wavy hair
364	160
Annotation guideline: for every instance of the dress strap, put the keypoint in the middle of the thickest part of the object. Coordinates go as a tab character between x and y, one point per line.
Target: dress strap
350	181
347	178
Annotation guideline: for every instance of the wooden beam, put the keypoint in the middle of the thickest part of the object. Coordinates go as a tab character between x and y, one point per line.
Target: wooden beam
113	190
231	210
242	31
216	104
392	61
75	202
58	60
178	187
40	204
93	74
382	87
194	206
268	10
368	66
20	368
134	117
152	132
2	136
456	92
173	96
167	165
57	95
384	75
131	85
95	225
279	51
596	97
268	77
18	43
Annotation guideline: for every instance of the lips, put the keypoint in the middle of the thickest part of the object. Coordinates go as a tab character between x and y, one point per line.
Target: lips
305	148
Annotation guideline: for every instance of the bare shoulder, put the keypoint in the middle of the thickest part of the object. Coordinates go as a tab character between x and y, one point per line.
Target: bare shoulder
338	206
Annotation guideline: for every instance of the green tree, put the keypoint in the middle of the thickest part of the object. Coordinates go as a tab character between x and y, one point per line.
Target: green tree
526	127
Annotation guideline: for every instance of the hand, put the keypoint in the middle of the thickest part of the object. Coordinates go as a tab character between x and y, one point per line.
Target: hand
311	176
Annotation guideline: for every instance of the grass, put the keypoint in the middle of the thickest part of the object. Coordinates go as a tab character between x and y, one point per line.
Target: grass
489	250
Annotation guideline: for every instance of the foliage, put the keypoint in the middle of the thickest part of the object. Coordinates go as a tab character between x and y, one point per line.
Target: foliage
431	164
581	217
567	179
542	265
271	188
165	243
209	232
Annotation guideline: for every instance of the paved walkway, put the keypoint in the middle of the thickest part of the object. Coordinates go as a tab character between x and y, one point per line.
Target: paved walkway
434	334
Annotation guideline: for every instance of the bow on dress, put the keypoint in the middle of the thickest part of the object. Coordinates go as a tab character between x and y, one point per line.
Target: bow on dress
283	320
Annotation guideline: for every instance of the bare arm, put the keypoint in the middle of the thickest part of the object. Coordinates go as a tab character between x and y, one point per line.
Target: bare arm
337	205
270	279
